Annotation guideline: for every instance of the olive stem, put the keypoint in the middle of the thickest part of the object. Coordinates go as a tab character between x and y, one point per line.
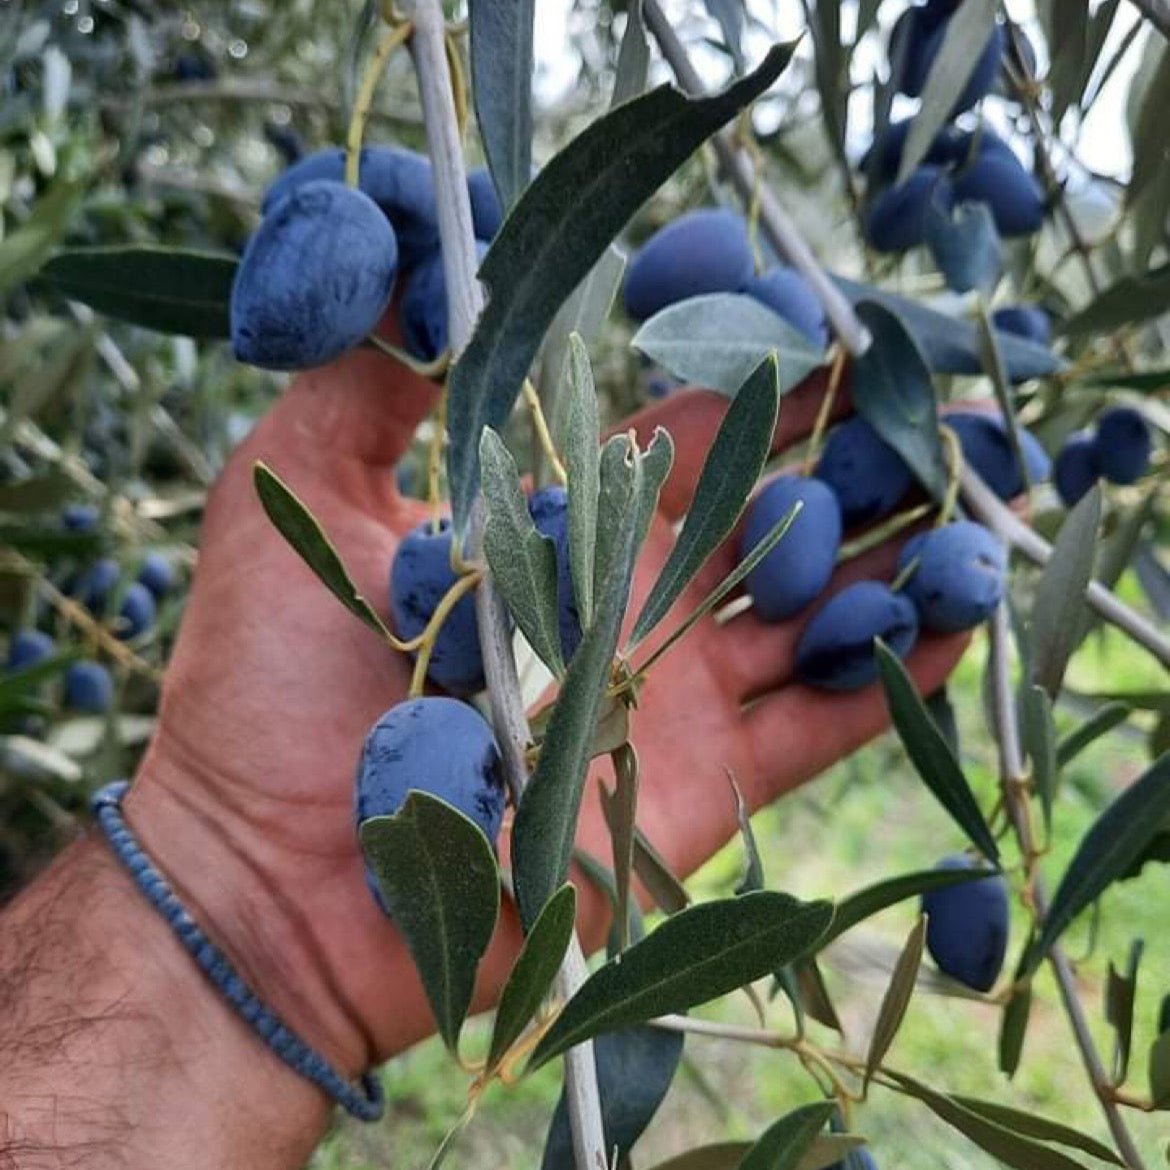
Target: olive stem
1011	764
778	227
464	302
392	39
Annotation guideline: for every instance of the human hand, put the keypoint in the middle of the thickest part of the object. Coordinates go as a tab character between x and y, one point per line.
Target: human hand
246	796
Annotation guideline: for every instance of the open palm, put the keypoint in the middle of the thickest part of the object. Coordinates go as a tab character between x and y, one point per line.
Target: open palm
273	685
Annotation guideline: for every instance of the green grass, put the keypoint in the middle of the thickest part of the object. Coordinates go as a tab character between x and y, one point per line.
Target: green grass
867	818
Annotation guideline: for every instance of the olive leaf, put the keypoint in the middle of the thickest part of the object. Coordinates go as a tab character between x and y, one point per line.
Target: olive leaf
439	880
1106	851
501	74
696	955
1060	595
581	450
172	290
784	1144
930	753
533	972
718	339
522	561
897	998
732	467
301	529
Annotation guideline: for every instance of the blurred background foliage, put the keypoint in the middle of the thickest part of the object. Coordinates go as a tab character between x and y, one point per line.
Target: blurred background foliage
130	121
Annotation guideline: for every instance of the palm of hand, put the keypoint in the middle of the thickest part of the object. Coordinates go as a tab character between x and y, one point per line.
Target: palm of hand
270	733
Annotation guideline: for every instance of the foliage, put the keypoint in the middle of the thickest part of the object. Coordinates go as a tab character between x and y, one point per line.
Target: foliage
116	271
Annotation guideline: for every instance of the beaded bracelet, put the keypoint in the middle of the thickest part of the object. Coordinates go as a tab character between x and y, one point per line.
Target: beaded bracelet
365	1104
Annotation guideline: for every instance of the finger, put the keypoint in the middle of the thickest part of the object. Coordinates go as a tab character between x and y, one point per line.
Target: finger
834	724
693	416
365	406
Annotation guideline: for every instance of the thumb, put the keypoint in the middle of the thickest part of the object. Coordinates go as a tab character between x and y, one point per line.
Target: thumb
364	406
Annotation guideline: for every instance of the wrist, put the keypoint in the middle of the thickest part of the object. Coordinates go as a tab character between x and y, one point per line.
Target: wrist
221	872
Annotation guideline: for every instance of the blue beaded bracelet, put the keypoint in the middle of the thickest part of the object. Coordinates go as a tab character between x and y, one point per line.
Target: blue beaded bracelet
365	1104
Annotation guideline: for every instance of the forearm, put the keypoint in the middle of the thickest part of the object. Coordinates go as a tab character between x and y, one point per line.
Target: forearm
115	1052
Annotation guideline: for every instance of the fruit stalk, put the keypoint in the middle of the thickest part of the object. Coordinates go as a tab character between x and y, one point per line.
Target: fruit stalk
986	507
1012	772
464	301
738	165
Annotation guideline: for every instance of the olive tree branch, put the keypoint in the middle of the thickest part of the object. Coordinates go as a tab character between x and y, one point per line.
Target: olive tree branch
464	302
988	509
1012	776
739	167
1157	12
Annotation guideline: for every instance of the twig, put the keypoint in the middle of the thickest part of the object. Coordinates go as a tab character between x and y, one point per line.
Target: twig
778	227
1011	774
464	301
986	507
1157	12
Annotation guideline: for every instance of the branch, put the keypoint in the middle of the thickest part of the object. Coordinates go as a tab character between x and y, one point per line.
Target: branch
740	168
464	302
1157	12
987	508
1012	773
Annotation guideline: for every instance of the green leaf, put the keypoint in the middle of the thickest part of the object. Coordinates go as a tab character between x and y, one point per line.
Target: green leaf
661	882
522	561
1013	1028
438	877
784	1143
694	956
949	345
546	821
173	290
963	43
580	447
826	1150
731	18
1008	1145
1119	995
719	1156
1131	301
584	312
612	730
635	1068
1033	1125
1060	594
533	972
1039	739
633	61
24	250
1159	1071
719	340
1110	845
892	389
753	874
501	74
562	224
964	245
930	753
308	540
733	465
881	895
620	809
1100	723
897	998
40	540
